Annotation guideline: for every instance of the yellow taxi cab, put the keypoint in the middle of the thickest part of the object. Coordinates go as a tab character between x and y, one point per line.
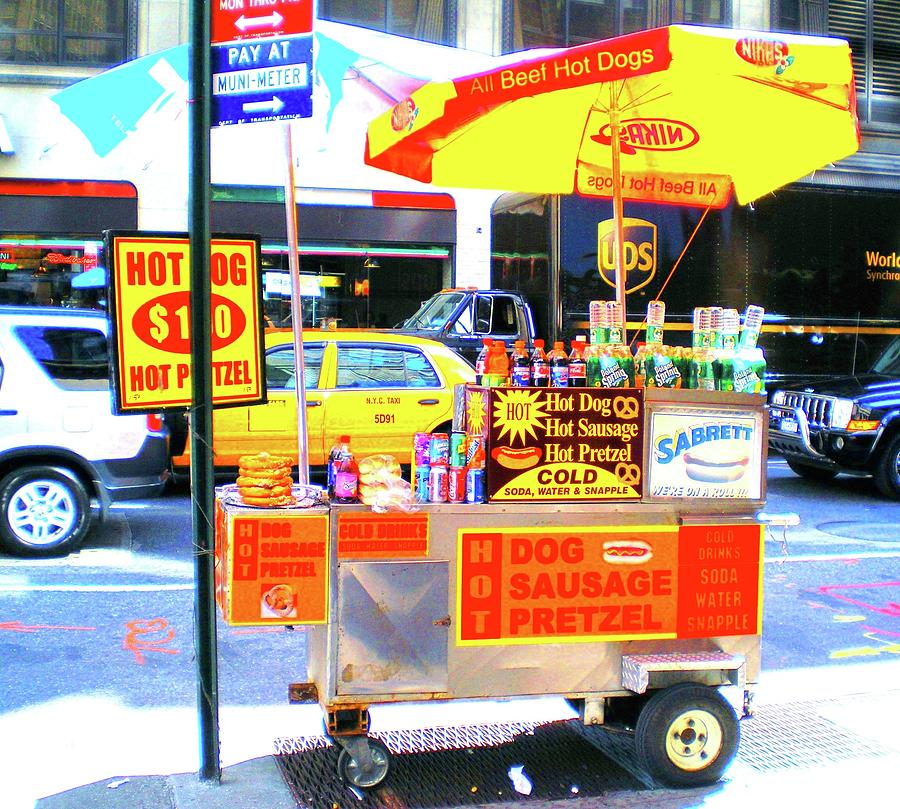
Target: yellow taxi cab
377	387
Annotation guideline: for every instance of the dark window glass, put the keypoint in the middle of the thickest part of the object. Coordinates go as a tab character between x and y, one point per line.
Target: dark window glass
64	32
428	20
280	366
76	359
384	367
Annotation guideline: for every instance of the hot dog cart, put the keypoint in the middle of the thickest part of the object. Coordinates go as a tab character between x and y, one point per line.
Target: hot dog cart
617	562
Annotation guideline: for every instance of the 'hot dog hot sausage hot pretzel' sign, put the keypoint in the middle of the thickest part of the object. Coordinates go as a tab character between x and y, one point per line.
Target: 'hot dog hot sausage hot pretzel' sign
565	444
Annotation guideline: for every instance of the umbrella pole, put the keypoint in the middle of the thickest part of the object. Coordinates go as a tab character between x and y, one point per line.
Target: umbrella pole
618	214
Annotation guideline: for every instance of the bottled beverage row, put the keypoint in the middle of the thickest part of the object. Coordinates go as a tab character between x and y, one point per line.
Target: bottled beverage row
723	355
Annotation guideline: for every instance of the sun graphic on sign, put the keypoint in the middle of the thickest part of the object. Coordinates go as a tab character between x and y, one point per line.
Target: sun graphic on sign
475	412
518	413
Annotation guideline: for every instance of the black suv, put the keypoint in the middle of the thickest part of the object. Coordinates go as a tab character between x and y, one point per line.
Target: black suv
850	424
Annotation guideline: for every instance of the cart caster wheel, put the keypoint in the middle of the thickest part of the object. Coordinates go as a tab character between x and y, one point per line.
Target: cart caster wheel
352	772
687	735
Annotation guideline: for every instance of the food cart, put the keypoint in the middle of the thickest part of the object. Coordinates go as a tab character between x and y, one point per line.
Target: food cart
617	562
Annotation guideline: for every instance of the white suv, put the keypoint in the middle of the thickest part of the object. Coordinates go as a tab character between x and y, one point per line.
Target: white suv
62	450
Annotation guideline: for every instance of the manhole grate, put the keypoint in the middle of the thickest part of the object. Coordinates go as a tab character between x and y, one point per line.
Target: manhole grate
471	767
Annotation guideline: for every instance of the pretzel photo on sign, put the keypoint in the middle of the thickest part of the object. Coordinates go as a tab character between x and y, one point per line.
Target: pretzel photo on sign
628	473
625	407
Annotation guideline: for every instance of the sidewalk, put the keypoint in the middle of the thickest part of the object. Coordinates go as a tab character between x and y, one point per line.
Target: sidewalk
845	748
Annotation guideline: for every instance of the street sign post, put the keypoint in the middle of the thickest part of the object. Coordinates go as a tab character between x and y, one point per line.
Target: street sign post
261	60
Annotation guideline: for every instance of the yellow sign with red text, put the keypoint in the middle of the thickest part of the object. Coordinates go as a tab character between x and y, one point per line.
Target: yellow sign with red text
579	584
150	287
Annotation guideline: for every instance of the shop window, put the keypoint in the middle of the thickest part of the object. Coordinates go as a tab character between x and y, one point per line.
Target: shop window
280	372
541	24
384	367
66	32
427	20
872	27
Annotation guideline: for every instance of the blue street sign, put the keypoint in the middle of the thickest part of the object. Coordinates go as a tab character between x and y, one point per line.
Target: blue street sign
262	80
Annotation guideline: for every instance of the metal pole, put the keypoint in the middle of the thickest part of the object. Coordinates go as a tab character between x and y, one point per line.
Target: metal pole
202	479
293	240
618	211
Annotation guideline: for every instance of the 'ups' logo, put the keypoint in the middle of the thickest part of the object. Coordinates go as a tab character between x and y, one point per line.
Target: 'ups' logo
650	134
639	247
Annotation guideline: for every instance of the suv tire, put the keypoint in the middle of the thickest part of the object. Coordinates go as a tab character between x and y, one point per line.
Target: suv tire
44	511
887	472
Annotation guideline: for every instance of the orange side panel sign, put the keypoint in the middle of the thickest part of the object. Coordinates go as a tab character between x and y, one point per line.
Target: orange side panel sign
278	569
382	536
552	585
150	280
589	583
719	580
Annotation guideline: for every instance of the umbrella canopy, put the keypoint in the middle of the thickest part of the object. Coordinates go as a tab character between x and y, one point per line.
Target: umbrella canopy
697	110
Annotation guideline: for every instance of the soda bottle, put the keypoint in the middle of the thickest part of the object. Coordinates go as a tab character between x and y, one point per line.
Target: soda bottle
497	367
540	369
577	364
520	375
749	363
333	457
559	366
481	361
346	477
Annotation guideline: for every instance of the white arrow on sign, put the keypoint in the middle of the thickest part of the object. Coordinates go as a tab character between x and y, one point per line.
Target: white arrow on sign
272	21
275	105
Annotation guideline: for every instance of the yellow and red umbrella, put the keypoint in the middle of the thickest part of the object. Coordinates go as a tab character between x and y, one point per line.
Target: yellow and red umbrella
682	114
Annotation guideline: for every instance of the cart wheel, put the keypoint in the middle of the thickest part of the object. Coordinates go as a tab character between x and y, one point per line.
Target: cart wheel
352	773
687	735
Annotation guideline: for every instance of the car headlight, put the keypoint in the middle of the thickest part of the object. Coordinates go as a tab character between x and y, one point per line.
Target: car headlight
841	413
778	397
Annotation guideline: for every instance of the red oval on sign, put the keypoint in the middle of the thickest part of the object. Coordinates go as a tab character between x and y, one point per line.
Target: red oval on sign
163	322
762	52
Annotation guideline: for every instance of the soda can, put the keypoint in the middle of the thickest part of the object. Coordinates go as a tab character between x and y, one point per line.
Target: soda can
423	479
475	455
437	484
457	449
421	444
475	486
439	449
456	484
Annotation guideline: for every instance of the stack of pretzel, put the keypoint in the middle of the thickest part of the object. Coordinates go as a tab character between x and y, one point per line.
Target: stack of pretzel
265	480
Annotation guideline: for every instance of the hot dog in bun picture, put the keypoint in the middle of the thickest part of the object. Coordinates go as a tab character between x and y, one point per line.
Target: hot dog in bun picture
627	552
511	458
716	462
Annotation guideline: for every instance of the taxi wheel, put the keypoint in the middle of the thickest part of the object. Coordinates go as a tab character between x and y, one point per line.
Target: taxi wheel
351	772
887	475
687	735
43	511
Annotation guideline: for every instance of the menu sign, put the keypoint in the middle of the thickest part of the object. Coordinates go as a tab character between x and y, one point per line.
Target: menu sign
706	453
271	566
565	444
524	585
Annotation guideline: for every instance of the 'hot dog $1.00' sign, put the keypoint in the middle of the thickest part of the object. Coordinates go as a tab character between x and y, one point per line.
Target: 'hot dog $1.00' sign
150	290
